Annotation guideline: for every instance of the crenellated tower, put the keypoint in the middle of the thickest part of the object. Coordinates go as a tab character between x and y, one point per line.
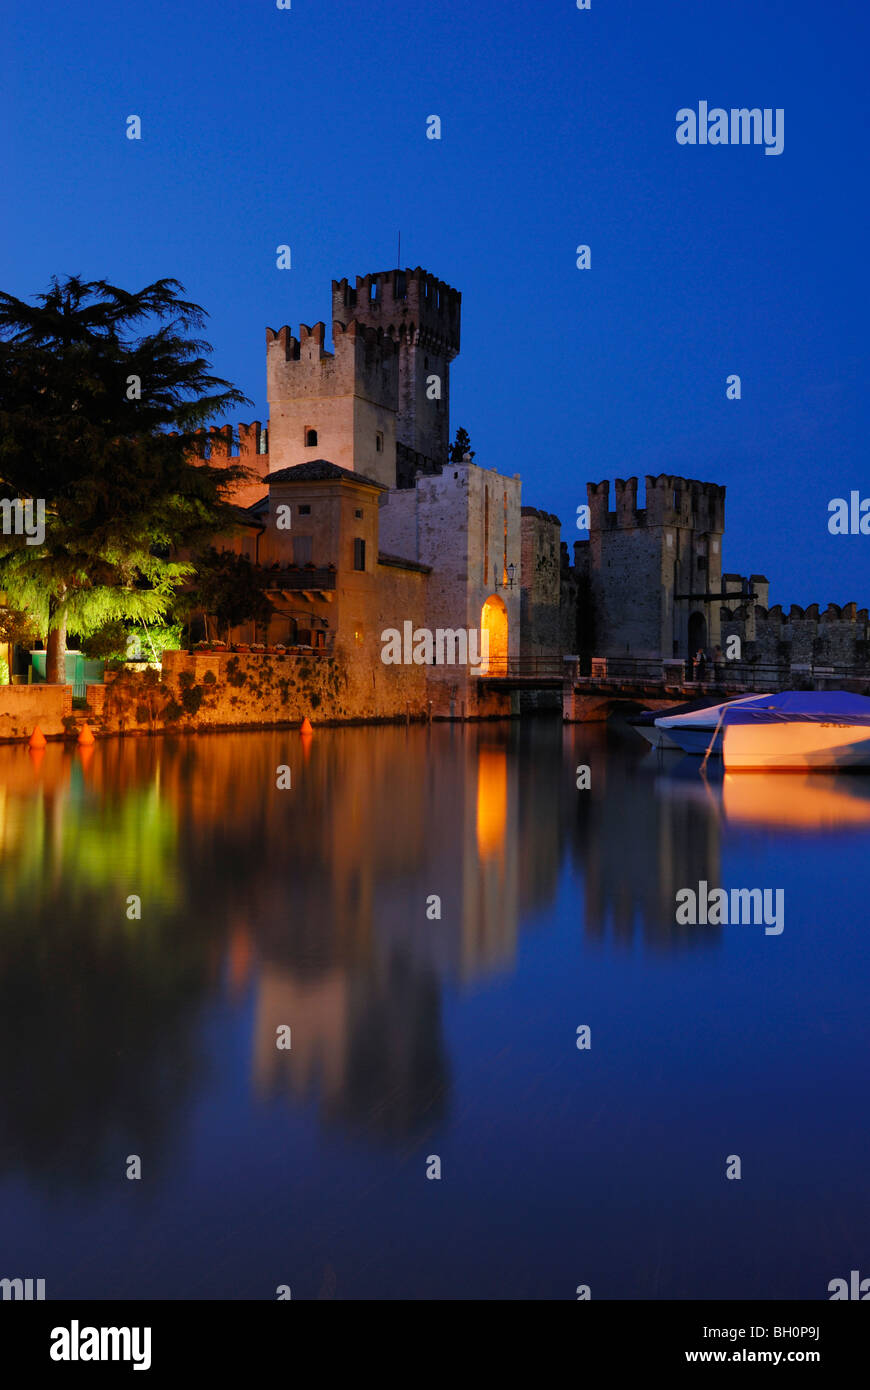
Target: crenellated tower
338	405
655	572
423	314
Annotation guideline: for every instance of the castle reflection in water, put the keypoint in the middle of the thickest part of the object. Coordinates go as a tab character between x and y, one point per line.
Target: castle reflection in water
308	907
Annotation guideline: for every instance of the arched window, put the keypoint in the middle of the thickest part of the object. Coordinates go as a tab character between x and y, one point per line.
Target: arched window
310	438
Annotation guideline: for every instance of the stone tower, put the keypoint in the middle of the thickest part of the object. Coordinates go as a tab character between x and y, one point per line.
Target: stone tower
655	572
338	405
422	313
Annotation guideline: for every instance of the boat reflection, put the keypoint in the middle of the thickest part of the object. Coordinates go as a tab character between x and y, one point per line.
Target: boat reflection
798	801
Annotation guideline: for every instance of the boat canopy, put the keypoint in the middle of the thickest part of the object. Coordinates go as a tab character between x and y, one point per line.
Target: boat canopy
801	706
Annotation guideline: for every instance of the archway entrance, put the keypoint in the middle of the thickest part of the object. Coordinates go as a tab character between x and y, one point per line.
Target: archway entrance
697	634
494	623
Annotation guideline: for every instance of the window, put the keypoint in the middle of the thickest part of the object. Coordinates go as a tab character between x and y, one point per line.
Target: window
379	442
485	536
302	550
702	562
310	438
358	513
374	291
304	509
504	553
401	288
359	553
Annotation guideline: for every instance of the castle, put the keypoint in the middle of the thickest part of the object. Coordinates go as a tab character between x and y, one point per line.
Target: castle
360	521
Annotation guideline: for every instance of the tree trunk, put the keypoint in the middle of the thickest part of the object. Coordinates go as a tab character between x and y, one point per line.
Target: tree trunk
55	661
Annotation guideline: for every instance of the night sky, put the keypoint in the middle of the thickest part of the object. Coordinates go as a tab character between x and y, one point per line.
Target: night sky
308	127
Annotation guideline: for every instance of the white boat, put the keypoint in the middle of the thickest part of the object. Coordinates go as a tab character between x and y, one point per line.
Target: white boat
695	731
647	724
798	730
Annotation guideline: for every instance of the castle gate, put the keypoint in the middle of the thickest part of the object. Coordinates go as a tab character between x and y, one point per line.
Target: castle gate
697	634
494	622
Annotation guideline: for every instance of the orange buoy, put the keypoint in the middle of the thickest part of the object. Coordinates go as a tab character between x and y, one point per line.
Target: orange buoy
306	726
85	737
37	738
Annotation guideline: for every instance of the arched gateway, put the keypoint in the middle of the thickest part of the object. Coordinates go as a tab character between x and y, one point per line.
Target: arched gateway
494	623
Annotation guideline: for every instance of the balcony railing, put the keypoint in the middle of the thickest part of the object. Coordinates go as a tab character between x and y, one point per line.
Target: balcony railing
318	577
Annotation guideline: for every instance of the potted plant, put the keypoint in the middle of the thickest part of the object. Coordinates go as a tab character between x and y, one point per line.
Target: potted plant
258	647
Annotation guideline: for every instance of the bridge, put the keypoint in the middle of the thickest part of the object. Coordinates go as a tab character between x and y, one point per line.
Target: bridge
649	681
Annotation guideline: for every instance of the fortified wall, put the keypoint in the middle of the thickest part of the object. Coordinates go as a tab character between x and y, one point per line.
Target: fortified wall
838	637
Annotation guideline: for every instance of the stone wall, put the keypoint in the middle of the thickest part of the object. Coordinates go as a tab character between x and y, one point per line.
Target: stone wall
23	706
838	637
540	584
214	690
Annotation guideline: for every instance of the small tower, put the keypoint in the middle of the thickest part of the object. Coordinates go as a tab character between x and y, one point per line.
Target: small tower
423	313
338	405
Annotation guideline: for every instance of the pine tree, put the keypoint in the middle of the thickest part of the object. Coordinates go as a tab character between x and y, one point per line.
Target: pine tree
101	394
461	446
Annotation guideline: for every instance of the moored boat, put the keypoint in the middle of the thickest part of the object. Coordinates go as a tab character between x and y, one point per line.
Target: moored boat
798	729
647	724
694	732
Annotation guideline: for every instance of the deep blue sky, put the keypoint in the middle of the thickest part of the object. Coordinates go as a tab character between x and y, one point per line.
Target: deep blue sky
262	127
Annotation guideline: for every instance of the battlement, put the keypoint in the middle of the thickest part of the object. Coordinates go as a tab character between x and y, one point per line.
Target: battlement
216	445
420	308
364	362
670	501
834	613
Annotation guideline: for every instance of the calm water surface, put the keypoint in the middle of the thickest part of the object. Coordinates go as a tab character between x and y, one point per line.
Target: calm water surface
414	1037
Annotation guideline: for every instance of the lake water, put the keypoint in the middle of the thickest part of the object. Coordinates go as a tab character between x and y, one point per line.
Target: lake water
414	1037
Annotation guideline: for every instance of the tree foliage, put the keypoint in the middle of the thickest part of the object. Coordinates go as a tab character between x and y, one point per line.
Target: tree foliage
461	446
102	391
227	588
